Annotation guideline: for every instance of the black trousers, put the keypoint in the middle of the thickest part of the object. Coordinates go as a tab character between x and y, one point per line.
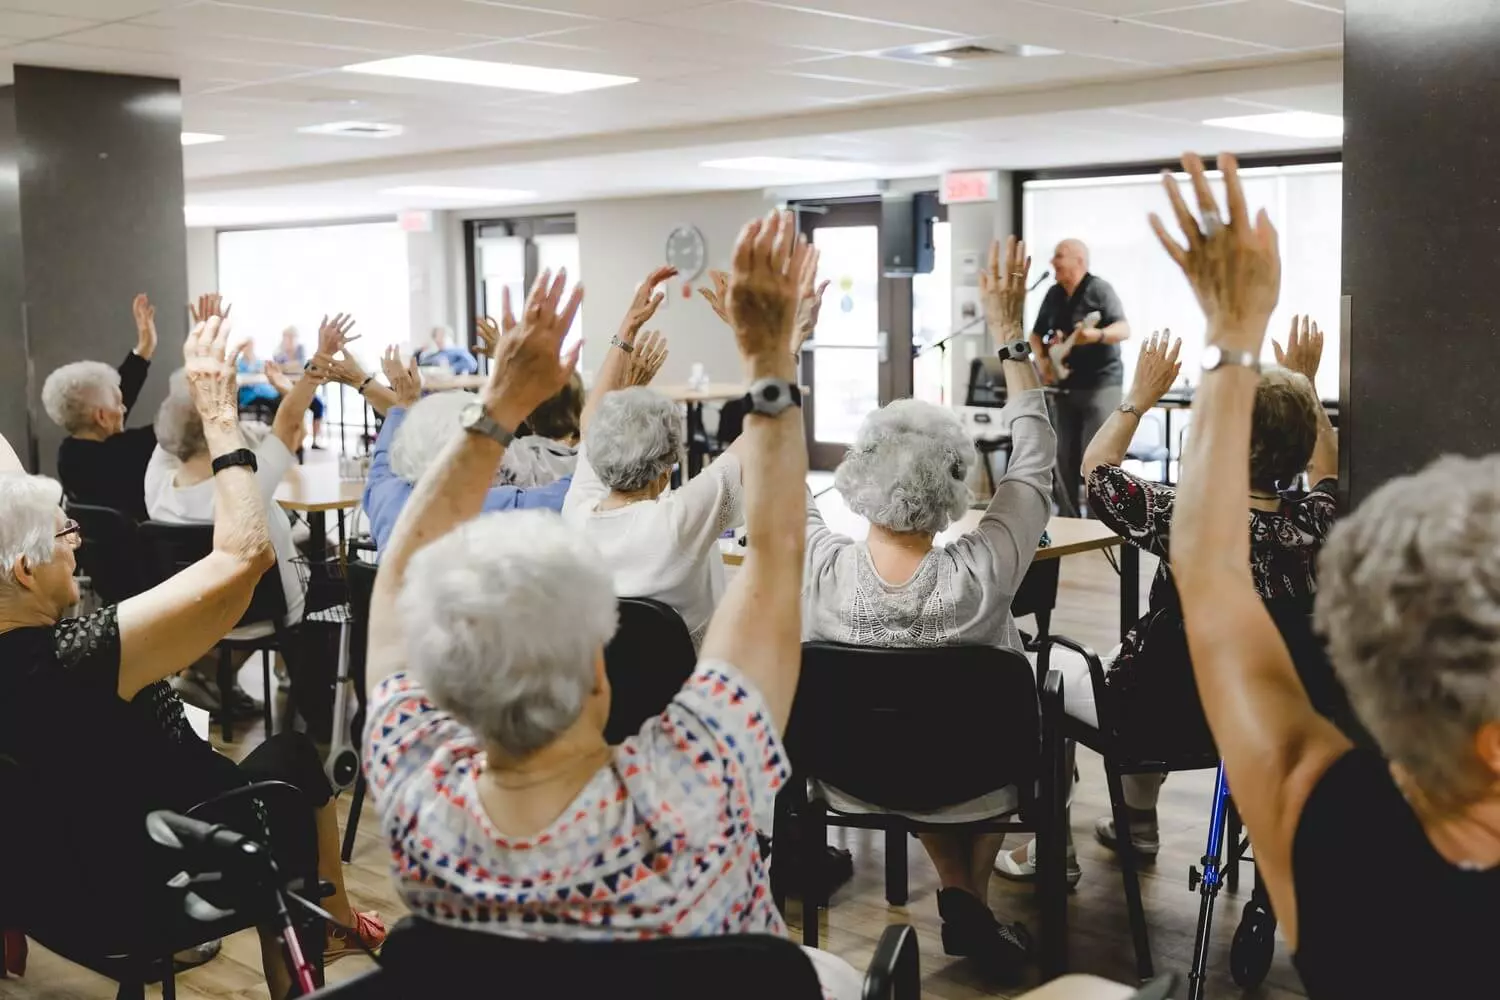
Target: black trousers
1077	415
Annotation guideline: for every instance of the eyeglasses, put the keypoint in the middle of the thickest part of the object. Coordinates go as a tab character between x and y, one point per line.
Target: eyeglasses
71	533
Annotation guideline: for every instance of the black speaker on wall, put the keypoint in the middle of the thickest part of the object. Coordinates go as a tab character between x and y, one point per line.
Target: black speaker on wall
906	233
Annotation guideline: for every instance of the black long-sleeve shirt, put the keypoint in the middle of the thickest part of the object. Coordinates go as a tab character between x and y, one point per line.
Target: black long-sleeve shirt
112	472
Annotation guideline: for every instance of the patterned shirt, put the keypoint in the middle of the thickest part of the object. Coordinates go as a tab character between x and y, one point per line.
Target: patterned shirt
660	843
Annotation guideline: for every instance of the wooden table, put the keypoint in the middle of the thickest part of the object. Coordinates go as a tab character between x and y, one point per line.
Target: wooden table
437	382
315	490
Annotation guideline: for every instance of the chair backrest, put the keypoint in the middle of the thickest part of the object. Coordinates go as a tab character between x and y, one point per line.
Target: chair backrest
360	576
731	422
111	553
916	729
648	661
420	954
172	548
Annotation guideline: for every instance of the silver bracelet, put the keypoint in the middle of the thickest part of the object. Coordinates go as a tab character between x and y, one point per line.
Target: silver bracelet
615	341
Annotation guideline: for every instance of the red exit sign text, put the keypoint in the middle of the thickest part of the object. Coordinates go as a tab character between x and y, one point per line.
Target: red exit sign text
964	186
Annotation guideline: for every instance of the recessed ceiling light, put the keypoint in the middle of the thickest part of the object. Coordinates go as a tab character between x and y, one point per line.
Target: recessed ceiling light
441	192
479	73
788	165
200	138
1297	124
354	130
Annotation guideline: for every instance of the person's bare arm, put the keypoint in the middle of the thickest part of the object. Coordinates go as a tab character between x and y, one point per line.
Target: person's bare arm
1115	333
1275	746
614	372
758	625
174	623
526	370
1304	354
9	460
1155	372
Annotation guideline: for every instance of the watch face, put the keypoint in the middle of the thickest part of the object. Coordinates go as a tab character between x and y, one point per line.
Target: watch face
687	251
471	415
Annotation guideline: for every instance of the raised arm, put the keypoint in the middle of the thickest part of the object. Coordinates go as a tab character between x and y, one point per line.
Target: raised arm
525	371
1275	746
1303	354
758	624
614	372
174	623
1155	372
9	460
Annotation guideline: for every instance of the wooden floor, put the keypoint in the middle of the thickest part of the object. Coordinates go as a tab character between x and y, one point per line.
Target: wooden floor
1099	938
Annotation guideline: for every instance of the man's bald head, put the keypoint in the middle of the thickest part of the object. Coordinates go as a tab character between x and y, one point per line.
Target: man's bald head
1070	262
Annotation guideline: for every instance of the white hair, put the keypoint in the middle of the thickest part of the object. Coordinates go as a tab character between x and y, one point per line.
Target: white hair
634	438
908	468
427	429
29	527
178	425
505	618
73	393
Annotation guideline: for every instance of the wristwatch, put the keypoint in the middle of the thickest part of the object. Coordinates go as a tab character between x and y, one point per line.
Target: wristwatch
1215	358
771	396
1017	350
474	420
1128	408
240	456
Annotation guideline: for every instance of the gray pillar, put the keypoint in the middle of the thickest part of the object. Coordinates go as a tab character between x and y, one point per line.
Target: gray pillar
1421	236
98	195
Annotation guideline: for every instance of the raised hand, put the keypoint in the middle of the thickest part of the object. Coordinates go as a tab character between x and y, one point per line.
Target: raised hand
145	326
333	334
344	369
1002	289
211	304
648	298
810	304
1304	348
763	292
1233	267
210	369
1156	370
646	360
404	379
718	296
528	367
277	378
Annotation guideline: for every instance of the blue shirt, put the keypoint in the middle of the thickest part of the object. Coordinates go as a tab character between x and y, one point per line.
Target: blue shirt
386	493
459	361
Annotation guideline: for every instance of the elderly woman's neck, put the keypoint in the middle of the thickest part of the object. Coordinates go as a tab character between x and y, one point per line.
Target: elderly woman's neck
19	608
92	434
624	498
897	554
198	469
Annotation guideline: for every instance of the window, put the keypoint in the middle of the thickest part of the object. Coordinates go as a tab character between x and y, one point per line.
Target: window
510	253
1109	214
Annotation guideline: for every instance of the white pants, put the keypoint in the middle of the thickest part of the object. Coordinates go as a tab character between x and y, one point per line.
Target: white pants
837	977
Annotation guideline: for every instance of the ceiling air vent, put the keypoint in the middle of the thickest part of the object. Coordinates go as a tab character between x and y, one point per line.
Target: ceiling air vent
953	53
354	130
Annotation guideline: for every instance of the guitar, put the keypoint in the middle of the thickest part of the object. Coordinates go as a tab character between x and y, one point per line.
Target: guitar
1060	345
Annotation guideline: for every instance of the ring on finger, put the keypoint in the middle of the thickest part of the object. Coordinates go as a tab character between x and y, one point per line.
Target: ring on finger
1212	222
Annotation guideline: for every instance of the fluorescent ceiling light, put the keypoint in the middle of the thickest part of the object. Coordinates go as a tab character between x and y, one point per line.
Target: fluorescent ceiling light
479	196
200	138
788	165
479	73
354	130
1297	124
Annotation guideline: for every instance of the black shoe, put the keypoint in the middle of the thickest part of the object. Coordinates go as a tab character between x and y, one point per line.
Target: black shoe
191	958
970	930
835	867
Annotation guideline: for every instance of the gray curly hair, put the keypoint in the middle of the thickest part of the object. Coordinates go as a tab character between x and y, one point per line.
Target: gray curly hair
1409	598
908	468
73	393
179	428
634	438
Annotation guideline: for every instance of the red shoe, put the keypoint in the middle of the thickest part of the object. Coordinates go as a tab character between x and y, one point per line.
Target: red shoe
371	931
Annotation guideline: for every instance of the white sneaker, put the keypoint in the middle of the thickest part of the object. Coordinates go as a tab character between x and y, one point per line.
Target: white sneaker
197	690
1143	836
1006	865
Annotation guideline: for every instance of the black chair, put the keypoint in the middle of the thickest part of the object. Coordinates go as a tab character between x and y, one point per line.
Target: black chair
111	554
648	661
172	548
1037	596
360	576
918	729
1143	450
731	967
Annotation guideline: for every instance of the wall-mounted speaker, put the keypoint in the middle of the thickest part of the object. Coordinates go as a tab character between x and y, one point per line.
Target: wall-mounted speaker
906	233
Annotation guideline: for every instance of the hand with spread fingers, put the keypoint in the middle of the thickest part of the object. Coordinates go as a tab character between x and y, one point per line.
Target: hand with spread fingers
145	326
1233	265
210	367
209	305
529	366
1156	370
764	292
342	369
646	360
489	331
810	305
1002	289
405	380
333	334
648	298
718	296
277	378
1304	348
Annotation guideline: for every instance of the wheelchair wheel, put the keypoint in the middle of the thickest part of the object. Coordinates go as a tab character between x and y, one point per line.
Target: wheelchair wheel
1254	946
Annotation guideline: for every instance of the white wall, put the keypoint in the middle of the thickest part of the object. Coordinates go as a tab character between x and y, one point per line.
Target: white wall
972	228
429	259
202	261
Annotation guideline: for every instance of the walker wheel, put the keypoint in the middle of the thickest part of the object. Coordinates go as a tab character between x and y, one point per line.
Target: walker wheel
1254	946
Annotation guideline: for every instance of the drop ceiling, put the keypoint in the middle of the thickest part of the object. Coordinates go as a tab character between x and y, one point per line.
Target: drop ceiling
1132	79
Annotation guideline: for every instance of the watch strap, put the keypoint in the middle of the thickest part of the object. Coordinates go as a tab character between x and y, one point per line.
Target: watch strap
752	398
482	423
1222	358
1016	350
615	341
240	456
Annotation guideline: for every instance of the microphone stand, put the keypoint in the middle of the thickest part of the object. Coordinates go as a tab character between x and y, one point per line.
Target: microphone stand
942	345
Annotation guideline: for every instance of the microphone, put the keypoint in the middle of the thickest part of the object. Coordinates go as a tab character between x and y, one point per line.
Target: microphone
1034	285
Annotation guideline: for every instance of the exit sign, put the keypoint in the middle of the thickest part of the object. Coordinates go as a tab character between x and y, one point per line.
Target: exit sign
964	186
415	221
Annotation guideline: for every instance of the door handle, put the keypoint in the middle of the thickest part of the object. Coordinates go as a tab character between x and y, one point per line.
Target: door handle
883	347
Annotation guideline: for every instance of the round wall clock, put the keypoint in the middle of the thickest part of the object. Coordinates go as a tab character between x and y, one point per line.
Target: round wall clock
687	251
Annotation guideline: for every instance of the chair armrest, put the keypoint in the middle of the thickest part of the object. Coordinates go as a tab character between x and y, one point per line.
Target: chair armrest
1096	673
895	973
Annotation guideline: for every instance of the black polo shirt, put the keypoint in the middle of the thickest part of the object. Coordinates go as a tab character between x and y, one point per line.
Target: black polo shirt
1092	366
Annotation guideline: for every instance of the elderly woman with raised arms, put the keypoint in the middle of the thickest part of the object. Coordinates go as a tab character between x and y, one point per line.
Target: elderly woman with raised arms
486	755
91	875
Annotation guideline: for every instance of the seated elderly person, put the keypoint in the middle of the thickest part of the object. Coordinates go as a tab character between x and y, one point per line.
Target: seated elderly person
1148	676
486	756
546	447
906	473
442	351
89	875
100	462
1409	598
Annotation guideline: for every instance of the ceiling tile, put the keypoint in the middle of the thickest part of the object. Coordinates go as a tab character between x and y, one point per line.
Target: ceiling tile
1122	8
608	8
644	63
274	25
1280	23
633	44
141	38
770	22
91	10
23	25
461	16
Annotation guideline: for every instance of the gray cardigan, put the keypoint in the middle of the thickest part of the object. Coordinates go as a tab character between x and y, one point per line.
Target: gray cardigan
961	592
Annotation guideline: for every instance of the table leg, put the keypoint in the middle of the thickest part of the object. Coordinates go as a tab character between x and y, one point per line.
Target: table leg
1130	588
340	552
317	527
1166	472
697	439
